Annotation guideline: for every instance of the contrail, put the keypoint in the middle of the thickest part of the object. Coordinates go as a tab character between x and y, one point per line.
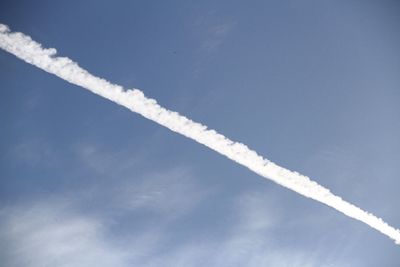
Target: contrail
25	48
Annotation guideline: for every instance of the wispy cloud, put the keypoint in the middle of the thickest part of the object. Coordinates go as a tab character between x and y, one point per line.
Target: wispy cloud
105	162
170	191
211	30
57	232
32	52
248	242
62	230
51	234
215	35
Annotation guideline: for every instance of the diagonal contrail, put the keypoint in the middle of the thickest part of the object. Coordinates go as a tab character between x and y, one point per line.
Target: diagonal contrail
32	52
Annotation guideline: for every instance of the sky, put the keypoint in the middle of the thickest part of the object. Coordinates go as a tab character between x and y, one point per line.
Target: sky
313	86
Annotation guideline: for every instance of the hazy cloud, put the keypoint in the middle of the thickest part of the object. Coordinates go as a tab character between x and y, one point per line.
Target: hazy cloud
51	234
211	31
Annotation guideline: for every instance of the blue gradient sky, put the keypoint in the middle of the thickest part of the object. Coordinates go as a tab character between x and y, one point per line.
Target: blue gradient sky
313	86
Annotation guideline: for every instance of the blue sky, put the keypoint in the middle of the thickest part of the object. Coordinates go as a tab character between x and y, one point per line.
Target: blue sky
313	86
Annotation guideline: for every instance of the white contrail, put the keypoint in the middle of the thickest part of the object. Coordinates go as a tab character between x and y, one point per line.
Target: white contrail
32	52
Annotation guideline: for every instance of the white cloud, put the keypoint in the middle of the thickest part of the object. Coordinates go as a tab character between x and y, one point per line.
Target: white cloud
60	231
257	211
105	162
52	234
169	193
249	242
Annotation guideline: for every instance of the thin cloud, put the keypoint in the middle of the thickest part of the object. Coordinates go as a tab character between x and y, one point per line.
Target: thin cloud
61	231
216	35
172	191
51	234
246	243
211	31
56	232
32	52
